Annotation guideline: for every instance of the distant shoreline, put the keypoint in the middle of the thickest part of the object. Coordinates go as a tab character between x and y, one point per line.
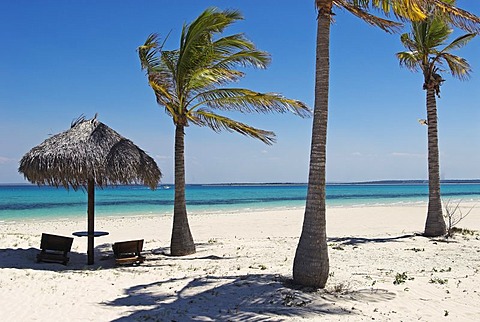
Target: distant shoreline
393	182
373	182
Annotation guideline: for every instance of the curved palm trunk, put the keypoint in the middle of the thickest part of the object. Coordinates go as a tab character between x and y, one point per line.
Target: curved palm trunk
311	264
182	241
435	224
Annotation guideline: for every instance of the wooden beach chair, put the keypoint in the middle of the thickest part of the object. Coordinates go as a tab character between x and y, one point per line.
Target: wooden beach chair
128	252
54	249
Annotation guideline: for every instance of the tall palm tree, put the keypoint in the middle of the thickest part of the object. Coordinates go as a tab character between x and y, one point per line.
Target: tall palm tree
188	83
424	54
311	263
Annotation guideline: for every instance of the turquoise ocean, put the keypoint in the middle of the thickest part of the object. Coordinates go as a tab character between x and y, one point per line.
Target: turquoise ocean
23	201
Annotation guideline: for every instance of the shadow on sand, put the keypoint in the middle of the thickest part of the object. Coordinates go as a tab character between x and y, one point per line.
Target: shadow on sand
235	298
25	258
360	240
256	297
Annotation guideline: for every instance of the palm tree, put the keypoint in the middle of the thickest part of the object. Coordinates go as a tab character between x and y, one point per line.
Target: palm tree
311	263
188	82
424	54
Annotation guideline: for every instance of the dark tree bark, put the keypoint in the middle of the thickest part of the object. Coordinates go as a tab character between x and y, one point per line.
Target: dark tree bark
182	241
311	263
435	224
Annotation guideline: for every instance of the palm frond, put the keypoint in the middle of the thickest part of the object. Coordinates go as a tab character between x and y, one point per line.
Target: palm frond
224	53
407	41
457	16
417	10
168	66
244	58
244	100
162	93
384	24
186	79
207	77
459	67
409	60
437	31
428	34
197	36
233	42
218	70
218	123
161	79
425	43
158	66
236	50
210	21
459	42
148	52
402	9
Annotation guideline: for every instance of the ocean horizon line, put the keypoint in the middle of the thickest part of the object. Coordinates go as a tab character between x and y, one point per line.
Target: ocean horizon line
366	182
31	201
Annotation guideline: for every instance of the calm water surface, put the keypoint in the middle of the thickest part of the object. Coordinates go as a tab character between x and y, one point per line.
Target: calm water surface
19	202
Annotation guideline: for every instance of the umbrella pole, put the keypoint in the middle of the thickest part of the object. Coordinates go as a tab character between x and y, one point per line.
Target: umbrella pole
91	216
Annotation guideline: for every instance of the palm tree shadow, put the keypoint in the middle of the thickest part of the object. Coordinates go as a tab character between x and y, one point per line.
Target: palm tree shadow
361	240
231	298
165	251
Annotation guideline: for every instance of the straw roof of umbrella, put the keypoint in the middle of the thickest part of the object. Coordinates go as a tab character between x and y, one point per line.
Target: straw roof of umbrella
89	150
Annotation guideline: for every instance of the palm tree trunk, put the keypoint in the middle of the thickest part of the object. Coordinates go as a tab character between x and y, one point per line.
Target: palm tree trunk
311	264
435	224
182	241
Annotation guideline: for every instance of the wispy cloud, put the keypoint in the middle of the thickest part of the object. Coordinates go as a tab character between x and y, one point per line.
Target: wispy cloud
408	155
364	155
4	160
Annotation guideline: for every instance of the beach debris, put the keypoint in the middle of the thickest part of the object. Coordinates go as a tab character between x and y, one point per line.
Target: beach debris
401	278
454	215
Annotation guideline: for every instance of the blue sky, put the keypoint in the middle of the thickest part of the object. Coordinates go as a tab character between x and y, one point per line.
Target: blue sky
61	59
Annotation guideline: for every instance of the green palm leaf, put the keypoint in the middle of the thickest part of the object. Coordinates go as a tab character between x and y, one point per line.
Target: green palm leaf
459	42
244	58
210	78
244	100
425	52
190	78
203	117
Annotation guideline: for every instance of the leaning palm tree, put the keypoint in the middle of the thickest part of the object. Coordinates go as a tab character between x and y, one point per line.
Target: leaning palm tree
311	263
188	82
424	54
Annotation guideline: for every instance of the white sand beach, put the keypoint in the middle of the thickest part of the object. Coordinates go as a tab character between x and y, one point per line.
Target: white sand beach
242	268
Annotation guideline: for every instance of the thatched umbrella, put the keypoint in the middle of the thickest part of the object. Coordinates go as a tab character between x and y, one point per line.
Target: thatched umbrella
88	154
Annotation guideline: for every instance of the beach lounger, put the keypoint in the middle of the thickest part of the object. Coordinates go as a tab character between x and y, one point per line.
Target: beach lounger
54	249
128	252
